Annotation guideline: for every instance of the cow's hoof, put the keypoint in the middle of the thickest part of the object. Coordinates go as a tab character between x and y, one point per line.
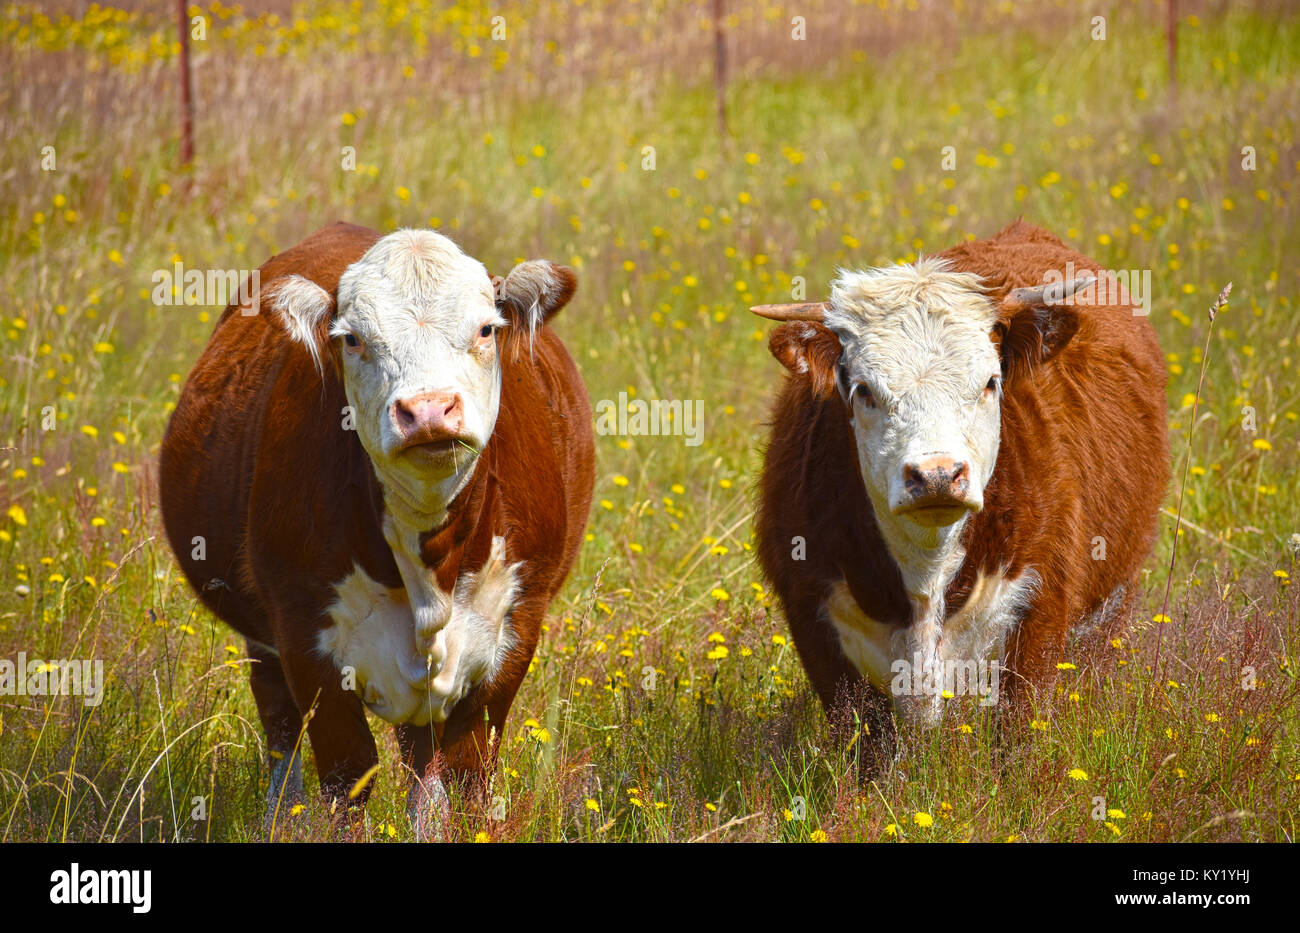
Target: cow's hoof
285	793
429	809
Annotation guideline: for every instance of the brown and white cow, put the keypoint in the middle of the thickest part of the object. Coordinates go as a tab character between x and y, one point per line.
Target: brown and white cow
961	468
380	477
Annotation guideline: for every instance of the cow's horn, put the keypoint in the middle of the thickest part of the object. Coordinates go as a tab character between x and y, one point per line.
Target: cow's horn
1049	294
807	311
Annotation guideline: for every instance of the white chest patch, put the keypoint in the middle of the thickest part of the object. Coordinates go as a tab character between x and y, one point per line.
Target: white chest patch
403	677
916	665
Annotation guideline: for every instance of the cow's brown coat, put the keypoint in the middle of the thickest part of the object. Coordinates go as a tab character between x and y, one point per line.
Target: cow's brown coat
256	461
1084	454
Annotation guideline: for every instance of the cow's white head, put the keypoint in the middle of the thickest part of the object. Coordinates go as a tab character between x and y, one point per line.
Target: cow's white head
919	355
416	334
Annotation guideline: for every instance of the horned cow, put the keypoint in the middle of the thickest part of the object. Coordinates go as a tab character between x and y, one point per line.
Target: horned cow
962	465
379	476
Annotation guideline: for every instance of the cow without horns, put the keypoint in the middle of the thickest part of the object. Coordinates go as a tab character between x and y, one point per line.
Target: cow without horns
380	478
961	468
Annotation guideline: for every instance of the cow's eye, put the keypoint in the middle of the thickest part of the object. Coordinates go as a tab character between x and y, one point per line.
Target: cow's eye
351	340
485	331
992	384
862	394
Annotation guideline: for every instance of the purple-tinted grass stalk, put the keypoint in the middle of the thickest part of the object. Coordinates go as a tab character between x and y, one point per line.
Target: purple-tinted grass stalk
1219	304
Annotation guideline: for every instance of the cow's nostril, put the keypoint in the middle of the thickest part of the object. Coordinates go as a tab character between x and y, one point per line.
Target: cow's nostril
403	413
959	470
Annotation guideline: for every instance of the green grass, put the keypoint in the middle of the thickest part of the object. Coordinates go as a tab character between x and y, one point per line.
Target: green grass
834	160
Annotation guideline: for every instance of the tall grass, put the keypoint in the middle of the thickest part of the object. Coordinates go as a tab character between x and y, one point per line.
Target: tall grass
834	161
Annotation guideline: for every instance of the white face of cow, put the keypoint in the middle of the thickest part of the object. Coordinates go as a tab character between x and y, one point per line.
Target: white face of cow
918	353
922	379
417	322
414	333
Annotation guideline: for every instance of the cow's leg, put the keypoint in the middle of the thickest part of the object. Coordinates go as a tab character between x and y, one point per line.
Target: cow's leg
488	633
471	736
463	760
462	755
862	720
485	651
282	725
467	753
861	717
1033	651
427	805
340	736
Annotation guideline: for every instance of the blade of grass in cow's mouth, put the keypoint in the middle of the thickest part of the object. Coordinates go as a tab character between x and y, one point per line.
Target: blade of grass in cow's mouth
441	448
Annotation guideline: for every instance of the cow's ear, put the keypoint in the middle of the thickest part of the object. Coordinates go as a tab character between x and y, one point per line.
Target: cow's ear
1029	335
305	309
1035	323
808	349
532	294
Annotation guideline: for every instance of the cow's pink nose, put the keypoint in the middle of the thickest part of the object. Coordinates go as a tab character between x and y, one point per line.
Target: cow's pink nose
936	478
433	416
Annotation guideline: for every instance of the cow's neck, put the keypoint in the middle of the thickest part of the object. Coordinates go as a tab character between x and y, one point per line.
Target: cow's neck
928	560
421	504
428	537
442	547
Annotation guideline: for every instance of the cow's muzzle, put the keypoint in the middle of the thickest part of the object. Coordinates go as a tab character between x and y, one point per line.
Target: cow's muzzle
936	491
431	424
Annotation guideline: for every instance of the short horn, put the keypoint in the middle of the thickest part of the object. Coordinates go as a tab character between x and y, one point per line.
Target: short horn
807	311
1049	294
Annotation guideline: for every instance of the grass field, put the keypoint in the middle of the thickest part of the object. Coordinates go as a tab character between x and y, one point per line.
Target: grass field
533	146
